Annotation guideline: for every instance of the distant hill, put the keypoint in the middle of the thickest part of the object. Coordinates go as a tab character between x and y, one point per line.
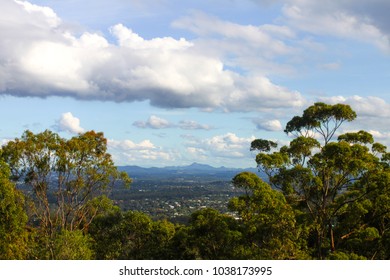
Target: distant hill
194	171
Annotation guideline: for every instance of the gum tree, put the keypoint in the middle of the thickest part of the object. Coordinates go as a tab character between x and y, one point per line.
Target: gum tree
268	223
66	181
322	177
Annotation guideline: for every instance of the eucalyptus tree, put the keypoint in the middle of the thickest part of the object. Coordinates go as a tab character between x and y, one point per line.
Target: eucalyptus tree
66	181
323	178
268	223
212	235
131	235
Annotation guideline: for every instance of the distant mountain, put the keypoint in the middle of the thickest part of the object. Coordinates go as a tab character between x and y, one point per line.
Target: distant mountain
194	171
198	167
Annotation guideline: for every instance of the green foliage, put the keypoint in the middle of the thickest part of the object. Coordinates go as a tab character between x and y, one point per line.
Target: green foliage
362	137
271	163
131	235
73	245
321	118
213	235
68	182
301	148
13	234
338	190
268	222
323	199
66	177
262	145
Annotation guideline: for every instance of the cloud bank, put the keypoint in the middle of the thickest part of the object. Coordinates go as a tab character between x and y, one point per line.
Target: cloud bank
40	57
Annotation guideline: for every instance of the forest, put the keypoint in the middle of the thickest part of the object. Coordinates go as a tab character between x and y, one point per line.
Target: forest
326	196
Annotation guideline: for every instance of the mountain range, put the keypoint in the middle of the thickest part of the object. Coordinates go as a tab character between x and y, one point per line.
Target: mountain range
194	171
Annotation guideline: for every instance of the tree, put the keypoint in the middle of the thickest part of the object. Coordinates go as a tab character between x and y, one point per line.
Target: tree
73	245
131	235
268	222
161	240
13	234
211	235
106	231
67	180
363	226
323	179
321	118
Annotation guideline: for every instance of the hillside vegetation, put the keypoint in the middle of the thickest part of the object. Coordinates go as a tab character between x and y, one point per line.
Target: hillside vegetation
326	195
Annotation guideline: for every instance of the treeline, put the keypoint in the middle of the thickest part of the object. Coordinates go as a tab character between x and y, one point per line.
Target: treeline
324	199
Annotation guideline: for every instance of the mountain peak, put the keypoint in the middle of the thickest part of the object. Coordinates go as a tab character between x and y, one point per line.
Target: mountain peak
199	166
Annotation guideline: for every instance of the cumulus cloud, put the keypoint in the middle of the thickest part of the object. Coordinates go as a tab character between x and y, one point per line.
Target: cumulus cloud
369	106
68	123
217	150
380	135
39	57
153	122
247	47
126	152
130	145
225	146
373	114
268	125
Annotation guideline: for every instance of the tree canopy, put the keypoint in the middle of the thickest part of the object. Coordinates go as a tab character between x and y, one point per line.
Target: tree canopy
67	181
324	180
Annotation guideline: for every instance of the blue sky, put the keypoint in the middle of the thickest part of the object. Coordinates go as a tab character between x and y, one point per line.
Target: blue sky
173	82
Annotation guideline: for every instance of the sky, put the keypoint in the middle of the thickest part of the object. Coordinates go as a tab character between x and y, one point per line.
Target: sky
172	82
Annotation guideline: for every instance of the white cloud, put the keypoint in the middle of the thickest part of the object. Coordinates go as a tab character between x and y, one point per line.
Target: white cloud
262	37
130	145
368	106
198	154
44	14
380	135
39	57
153	122
227	149
193	125
227	146
248	47
268	125
127	38
54	64
69	123
373	115
358	20
160	123
126	152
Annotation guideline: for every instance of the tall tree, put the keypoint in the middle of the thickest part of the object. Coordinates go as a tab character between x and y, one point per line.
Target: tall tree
67	180
268	222
321	177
